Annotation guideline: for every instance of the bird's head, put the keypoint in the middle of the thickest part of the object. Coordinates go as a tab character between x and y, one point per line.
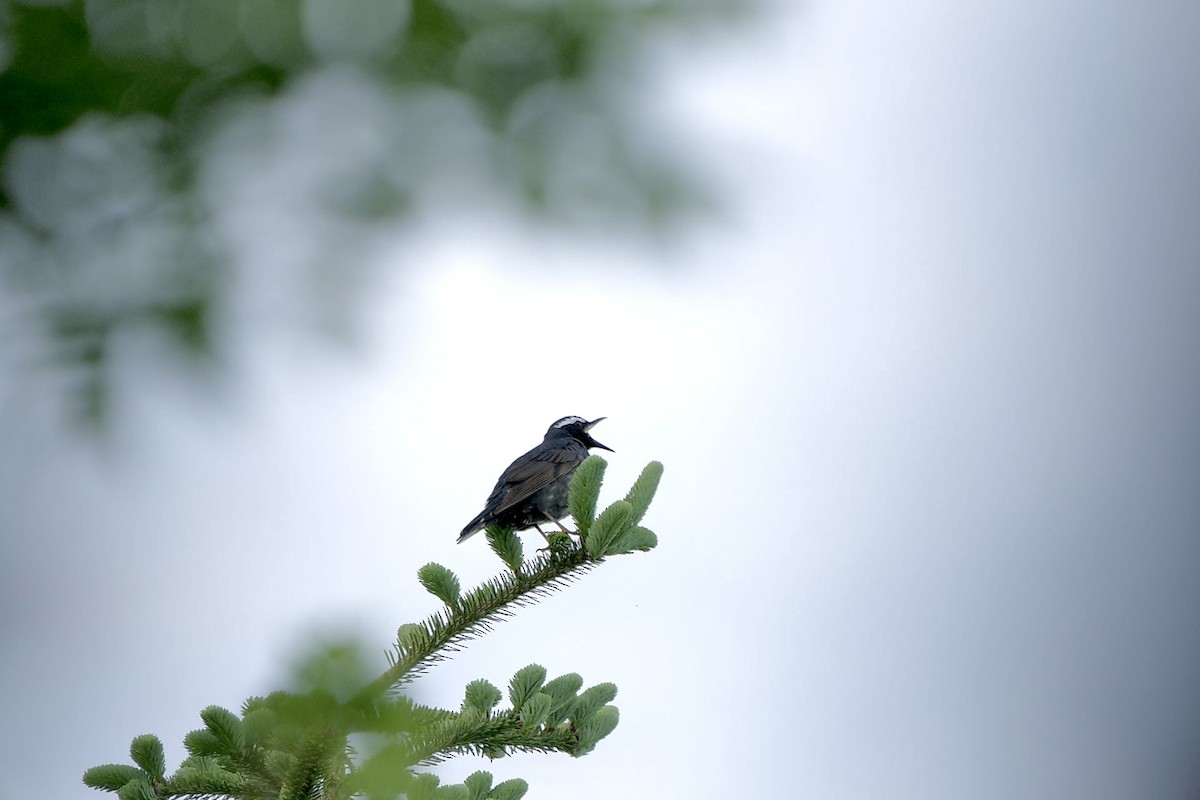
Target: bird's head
577	428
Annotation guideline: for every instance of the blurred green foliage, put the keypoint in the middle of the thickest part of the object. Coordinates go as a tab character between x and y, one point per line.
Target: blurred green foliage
111	112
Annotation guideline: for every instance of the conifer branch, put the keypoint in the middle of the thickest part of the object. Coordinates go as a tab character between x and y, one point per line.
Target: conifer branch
444	632
489	736
295	745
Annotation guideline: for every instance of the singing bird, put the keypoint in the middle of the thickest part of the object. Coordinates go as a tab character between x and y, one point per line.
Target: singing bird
533	489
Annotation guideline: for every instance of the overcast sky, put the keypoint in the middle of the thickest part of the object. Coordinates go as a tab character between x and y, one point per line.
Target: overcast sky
926	391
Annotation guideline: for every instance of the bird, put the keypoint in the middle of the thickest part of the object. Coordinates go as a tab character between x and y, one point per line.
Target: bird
533	489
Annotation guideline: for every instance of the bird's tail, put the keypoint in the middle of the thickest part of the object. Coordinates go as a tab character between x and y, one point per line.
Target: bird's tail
473	527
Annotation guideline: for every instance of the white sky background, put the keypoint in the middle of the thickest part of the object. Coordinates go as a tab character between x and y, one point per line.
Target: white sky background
926	396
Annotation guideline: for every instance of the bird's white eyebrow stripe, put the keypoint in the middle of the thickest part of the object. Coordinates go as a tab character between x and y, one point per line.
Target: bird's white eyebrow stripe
565	421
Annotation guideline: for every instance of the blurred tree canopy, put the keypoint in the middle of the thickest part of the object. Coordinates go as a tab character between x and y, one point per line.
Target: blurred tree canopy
156	154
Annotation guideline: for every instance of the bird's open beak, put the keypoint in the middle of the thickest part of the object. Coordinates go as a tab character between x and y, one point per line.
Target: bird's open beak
592	442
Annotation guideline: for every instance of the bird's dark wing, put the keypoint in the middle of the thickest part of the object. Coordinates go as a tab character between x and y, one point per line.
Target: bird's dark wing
532	472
